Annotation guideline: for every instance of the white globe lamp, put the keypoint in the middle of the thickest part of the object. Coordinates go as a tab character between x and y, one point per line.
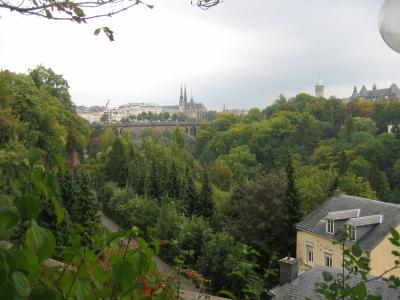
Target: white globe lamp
389	23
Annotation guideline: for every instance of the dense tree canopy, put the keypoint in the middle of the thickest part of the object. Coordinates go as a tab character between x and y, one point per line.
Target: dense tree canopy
224	206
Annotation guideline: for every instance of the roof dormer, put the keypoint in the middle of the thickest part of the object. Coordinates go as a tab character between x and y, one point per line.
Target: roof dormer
331	217
353	223
343	214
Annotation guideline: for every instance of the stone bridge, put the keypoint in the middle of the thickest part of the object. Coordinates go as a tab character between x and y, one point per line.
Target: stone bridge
190	128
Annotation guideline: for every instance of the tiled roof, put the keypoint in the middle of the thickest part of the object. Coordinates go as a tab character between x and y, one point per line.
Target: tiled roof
305	286
368	237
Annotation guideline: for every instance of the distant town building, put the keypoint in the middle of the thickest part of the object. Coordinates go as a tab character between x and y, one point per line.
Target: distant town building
235	111
91	114
189	108
135	109
319	88
393	92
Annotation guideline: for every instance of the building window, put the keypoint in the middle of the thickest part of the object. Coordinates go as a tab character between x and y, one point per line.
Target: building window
330	226
328	259
352	233
310	254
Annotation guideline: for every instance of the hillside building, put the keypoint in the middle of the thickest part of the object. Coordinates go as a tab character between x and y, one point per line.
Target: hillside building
392	92
368	222
318	249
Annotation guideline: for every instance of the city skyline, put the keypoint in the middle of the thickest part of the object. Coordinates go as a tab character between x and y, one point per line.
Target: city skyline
241	54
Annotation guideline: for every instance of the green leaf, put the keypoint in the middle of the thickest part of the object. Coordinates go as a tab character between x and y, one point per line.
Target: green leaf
395	234
29	207
361	290
40	240
226	293
7	264
356	250
26	260
145	248
21	284
97	31
396	253
109	33
143	263
123	271
8	219
60	211
327	276
115	235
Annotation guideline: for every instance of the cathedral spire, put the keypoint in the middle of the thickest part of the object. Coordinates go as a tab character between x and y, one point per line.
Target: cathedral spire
181	97
185	96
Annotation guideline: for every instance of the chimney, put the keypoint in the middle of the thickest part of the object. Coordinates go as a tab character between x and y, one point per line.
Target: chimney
289	270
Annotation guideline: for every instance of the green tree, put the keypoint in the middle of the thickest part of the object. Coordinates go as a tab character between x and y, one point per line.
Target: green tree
174	188
194	235
229	266
154	181
257	214
8	126
178	137
68	192
253	115
205	205
221	175
353	185
116	165
348	128
360	167
378	180
86	204
242	162
343	163
292	206
55	84
190	193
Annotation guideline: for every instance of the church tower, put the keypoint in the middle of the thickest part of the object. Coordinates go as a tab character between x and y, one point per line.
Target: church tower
181	102
185	97
319	88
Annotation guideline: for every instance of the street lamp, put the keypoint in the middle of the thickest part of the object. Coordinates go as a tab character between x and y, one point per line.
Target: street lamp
389	23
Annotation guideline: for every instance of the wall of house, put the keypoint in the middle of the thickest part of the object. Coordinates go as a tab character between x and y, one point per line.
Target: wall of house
382	259
321	245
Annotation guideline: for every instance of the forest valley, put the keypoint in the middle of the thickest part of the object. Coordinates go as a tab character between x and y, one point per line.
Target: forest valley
222	208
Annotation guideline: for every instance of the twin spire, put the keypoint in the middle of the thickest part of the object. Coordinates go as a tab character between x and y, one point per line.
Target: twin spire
183	97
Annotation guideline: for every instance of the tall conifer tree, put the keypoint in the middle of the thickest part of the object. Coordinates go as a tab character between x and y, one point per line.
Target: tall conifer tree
67	190
292	205
205	206
190	193
116	166
86	203
343	163
154	182
174	187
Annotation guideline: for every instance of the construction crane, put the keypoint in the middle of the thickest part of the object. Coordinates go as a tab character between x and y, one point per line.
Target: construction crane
109	111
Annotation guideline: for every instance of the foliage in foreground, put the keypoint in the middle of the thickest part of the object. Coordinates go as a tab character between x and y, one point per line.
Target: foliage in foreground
91	266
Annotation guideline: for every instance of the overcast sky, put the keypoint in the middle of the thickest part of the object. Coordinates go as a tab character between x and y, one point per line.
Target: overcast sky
242	53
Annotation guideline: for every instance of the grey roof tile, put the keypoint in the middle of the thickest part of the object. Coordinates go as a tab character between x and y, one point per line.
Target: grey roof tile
305	286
